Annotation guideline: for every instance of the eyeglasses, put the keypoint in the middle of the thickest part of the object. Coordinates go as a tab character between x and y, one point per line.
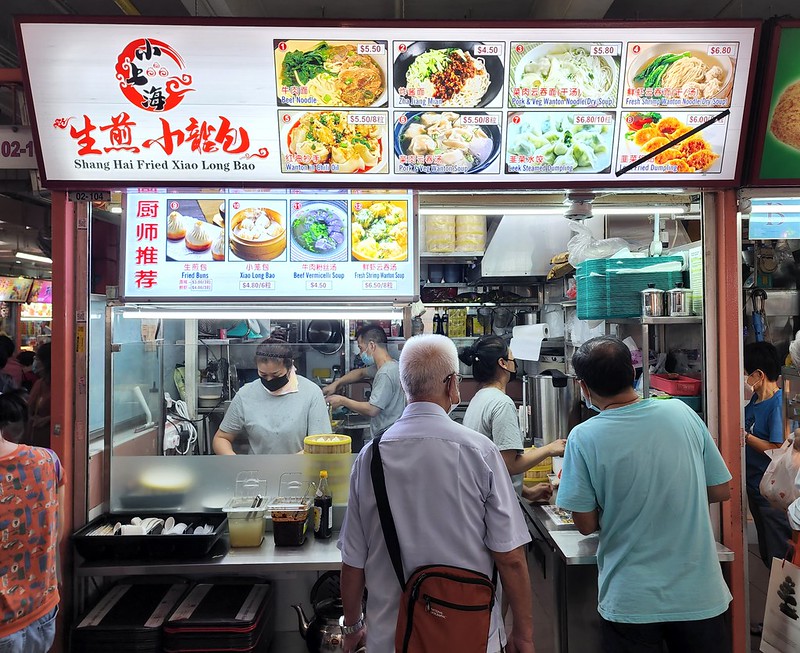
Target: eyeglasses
459	377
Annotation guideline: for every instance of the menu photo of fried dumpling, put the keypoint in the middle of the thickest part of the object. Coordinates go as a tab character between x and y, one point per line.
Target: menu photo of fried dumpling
648	132
176	226
198	238
218	247
785	123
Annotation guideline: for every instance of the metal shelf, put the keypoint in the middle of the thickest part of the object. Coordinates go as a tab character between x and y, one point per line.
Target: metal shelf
657	321
459	284
479	305
456	256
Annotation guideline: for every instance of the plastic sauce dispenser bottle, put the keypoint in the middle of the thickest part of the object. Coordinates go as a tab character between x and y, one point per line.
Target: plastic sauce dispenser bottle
323	509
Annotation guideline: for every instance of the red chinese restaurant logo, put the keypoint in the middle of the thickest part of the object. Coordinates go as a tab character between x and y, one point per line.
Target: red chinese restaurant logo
151	75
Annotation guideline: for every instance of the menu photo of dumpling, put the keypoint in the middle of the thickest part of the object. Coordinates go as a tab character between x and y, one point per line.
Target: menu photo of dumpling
258	230
379	230
648	131
196	230
334	142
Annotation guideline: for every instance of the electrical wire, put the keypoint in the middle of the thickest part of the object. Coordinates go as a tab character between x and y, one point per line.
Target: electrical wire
181	410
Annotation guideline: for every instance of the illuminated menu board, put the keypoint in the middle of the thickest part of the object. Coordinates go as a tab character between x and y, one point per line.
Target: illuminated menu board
41	292
388	106
777	137
14	289
269	246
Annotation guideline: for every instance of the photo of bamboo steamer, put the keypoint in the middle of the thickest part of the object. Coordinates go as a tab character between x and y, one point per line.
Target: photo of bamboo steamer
258	234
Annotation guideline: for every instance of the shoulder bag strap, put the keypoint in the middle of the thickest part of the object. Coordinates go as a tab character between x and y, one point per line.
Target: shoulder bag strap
385	511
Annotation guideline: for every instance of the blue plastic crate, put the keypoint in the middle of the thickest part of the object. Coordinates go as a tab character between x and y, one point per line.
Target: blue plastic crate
610	288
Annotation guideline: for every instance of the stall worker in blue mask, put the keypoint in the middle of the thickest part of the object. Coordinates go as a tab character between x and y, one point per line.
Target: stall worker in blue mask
275	412
386	400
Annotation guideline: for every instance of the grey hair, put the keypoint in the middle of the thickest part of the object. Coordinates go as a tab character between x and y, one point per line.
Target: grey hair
425	361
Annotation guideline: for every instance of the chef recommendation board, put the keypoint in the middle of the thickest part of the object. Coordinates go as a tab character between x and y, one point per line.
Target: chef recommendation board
183	104
280	245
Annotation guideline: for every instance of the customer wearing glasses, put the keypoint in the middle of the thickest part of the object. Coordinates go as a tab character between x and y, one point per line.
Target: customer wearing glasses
452	503
493	413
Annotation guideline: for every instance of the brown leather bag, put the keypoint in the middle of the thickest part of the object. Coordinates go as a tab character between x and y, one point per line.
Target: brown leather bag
442	608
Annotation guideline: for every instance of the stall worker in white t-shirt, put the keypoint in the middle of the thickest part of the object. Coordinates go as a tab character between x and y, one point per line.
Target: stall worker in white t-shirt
276	411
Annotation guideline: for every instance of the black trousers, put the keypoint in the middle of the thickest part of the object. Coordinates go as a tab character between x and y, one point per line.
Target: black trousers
704	636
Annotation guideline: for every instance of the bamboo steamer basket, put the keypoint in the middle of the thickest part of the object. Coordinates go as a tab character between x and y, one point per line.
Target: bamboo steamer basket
258	250
327	443
538	473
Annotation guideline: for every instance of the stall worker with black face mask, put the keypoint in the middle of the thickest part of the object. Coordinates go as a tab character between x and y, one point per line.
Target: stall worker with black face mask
276	411
493	413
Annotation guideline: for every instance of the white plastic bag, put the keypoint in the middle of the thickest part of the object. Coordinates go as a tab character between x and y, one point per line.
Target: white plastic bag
777	485
583	246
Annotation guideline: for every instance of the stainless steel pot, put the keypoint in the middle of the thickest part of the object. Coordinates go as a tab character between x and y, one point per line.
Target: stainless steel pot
679	301
555	404
652	301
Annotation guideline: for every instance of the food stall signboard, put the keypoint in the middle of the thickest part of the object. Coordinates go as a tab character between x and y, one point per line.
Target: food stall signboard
281	245
14	289
389	106
777	136
41	292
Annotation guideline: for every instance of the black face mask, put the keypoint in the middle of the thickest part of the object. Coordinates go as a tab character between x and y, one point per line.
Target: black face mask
273	385
514	372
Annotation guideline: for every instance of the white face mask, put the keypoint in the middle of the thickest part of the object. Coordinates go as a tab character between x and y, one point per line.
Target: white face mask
747	386
587	401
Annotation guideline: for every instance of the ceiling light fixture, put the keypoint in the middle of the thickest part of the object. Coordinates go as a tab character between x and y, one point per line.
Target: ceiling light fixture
116	209
285	312
33	257
598	209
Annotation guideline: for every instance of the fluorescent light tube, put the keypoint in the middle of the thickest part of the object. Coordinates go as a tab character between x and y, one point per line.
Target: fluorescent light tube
554	210
262	314
33	257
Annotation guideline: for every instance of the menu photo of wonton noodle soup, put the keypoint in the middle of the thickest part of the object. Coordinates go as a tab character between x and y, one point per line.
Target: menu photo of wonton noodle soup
680	74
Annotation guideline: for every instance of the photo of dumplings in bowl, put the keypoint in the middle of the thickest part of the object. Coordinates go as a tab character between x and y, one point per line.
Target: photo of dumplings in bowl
448	141
379	231
258	234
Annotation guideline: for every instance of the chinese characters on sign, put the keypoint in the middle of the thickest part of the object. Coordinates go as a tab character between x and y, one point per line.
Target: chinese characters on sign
276	245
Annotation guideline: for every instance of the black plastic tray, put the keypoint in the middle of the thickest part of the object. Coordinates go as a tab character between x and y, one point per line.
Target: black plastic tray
100	547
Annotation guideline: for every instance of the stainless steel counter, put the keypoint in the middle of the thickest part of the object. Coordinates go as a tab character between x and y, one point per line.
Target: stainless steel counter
577	549
314	555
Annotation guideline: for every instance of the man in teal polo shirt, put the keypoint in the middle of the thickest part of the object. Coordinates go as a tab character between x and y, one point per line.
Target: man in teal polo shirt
643	472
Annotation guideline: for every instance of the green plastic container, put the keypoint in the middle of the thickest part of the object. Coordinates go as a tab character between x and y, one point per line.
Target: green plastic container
610	288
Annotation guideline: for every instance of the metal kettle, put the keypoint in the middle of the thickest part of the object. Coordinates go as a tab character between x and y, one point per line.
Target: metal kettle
323	633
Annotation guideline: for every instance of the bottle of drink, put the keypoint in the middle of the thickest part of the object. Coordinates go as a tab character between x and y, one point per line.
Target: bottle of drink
323	509
445	323
437	323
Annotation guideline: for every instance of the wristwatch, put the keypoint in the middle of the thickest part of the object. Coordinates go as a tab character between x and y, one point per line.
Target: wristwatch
349	630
